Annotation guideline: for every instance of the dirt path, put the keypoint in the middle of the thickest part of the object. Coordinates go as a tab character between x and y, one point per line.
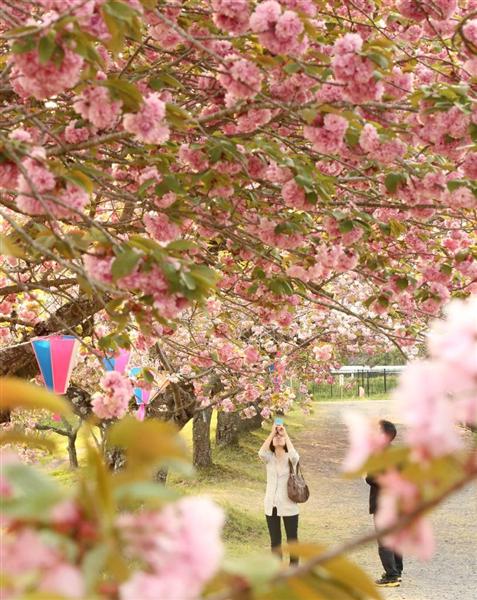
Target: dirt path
337	511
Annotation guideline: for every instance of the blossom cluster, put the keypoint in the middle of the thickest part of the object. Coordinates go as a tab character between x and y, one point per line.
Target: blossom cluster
179	546
113	401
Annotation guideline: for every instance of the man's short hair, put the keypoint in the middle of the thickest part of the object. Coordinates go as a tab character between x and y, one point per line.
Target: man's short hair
388	428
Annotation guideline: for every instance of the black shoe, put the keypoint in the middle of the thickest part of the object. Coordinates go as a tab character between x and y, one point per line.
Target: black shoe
387	581
399	577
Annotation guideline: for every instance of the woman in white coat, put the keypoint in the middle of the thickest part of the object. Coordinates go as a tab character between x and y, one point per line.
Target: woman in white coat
276	451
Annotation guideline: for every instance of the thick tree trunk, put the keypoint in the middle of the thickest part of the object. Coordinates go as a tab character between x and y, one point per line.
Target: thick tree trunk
72	455
227	429
202	451
5	416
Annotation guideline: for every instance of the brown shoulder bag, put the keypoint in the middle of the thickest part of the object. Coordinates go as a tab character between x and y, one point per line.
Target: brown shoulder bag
297	489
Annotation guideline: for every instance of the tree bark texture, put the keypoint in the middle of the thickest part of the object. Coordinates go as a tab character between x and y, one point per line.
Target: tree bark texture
202	451
72	455
227	429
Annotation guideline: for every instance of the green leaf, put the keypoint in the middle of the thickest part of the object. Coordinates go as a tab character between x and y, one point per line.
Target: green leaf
455	184
280	286
473	132
402	283
142	491
24	45
352	136
305	181
46	47
188	281
397	228
10	248
93	565
79	179
446	269
120	10
386	459
352	577
291	68
170	183
144	186
393	180
206	276
177	116
258	569
181	245
309	114
163	80
33	492
346	226
378	59
127	92
124	263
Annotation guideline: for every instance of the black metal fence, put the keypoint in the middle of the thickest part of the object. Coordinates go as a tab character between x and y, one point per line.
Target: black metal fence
373	383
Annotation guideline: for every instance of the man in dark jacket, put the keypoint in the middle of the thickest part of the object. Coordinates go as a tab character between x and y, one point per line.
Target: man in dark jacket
391	561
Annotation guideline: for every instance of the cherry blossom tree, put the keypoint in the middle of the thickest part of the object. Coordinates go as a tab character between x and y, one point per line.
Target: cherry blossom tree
102	543
278	152
231	185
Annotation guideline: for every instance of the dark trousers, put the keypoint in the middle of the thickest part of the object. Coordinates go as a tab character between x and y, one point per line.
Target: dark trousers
275	530
391	561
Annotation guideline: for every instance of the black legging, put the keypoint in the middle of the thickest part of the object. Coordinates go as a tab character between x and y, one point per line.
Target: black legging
275	530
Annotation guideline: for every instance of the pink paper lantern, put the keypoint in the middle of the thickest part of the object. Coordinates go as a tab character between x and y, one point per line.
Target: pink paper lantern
56	356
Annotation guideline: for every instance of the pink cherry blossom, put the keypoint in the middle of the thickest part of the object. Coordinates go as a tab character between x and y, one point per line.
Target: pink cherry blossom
160	227
427	411
148	124
180	544
293	194
75	134
63	580
8	175
31	78
470	165
354	71
469	30
194	158
365	438
98	267
399	496
231	15
252	355
382	151
280	32
96	105
243	79
453	340
114	400
327	139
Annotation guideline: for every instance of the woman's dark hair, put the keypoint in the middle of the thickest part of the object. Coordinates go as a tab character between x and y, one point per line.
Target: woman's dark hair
388	428
272	447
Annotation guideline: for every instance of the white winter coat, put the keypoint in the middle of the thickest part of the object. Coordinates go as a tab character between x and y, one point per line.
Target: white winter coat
277	479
